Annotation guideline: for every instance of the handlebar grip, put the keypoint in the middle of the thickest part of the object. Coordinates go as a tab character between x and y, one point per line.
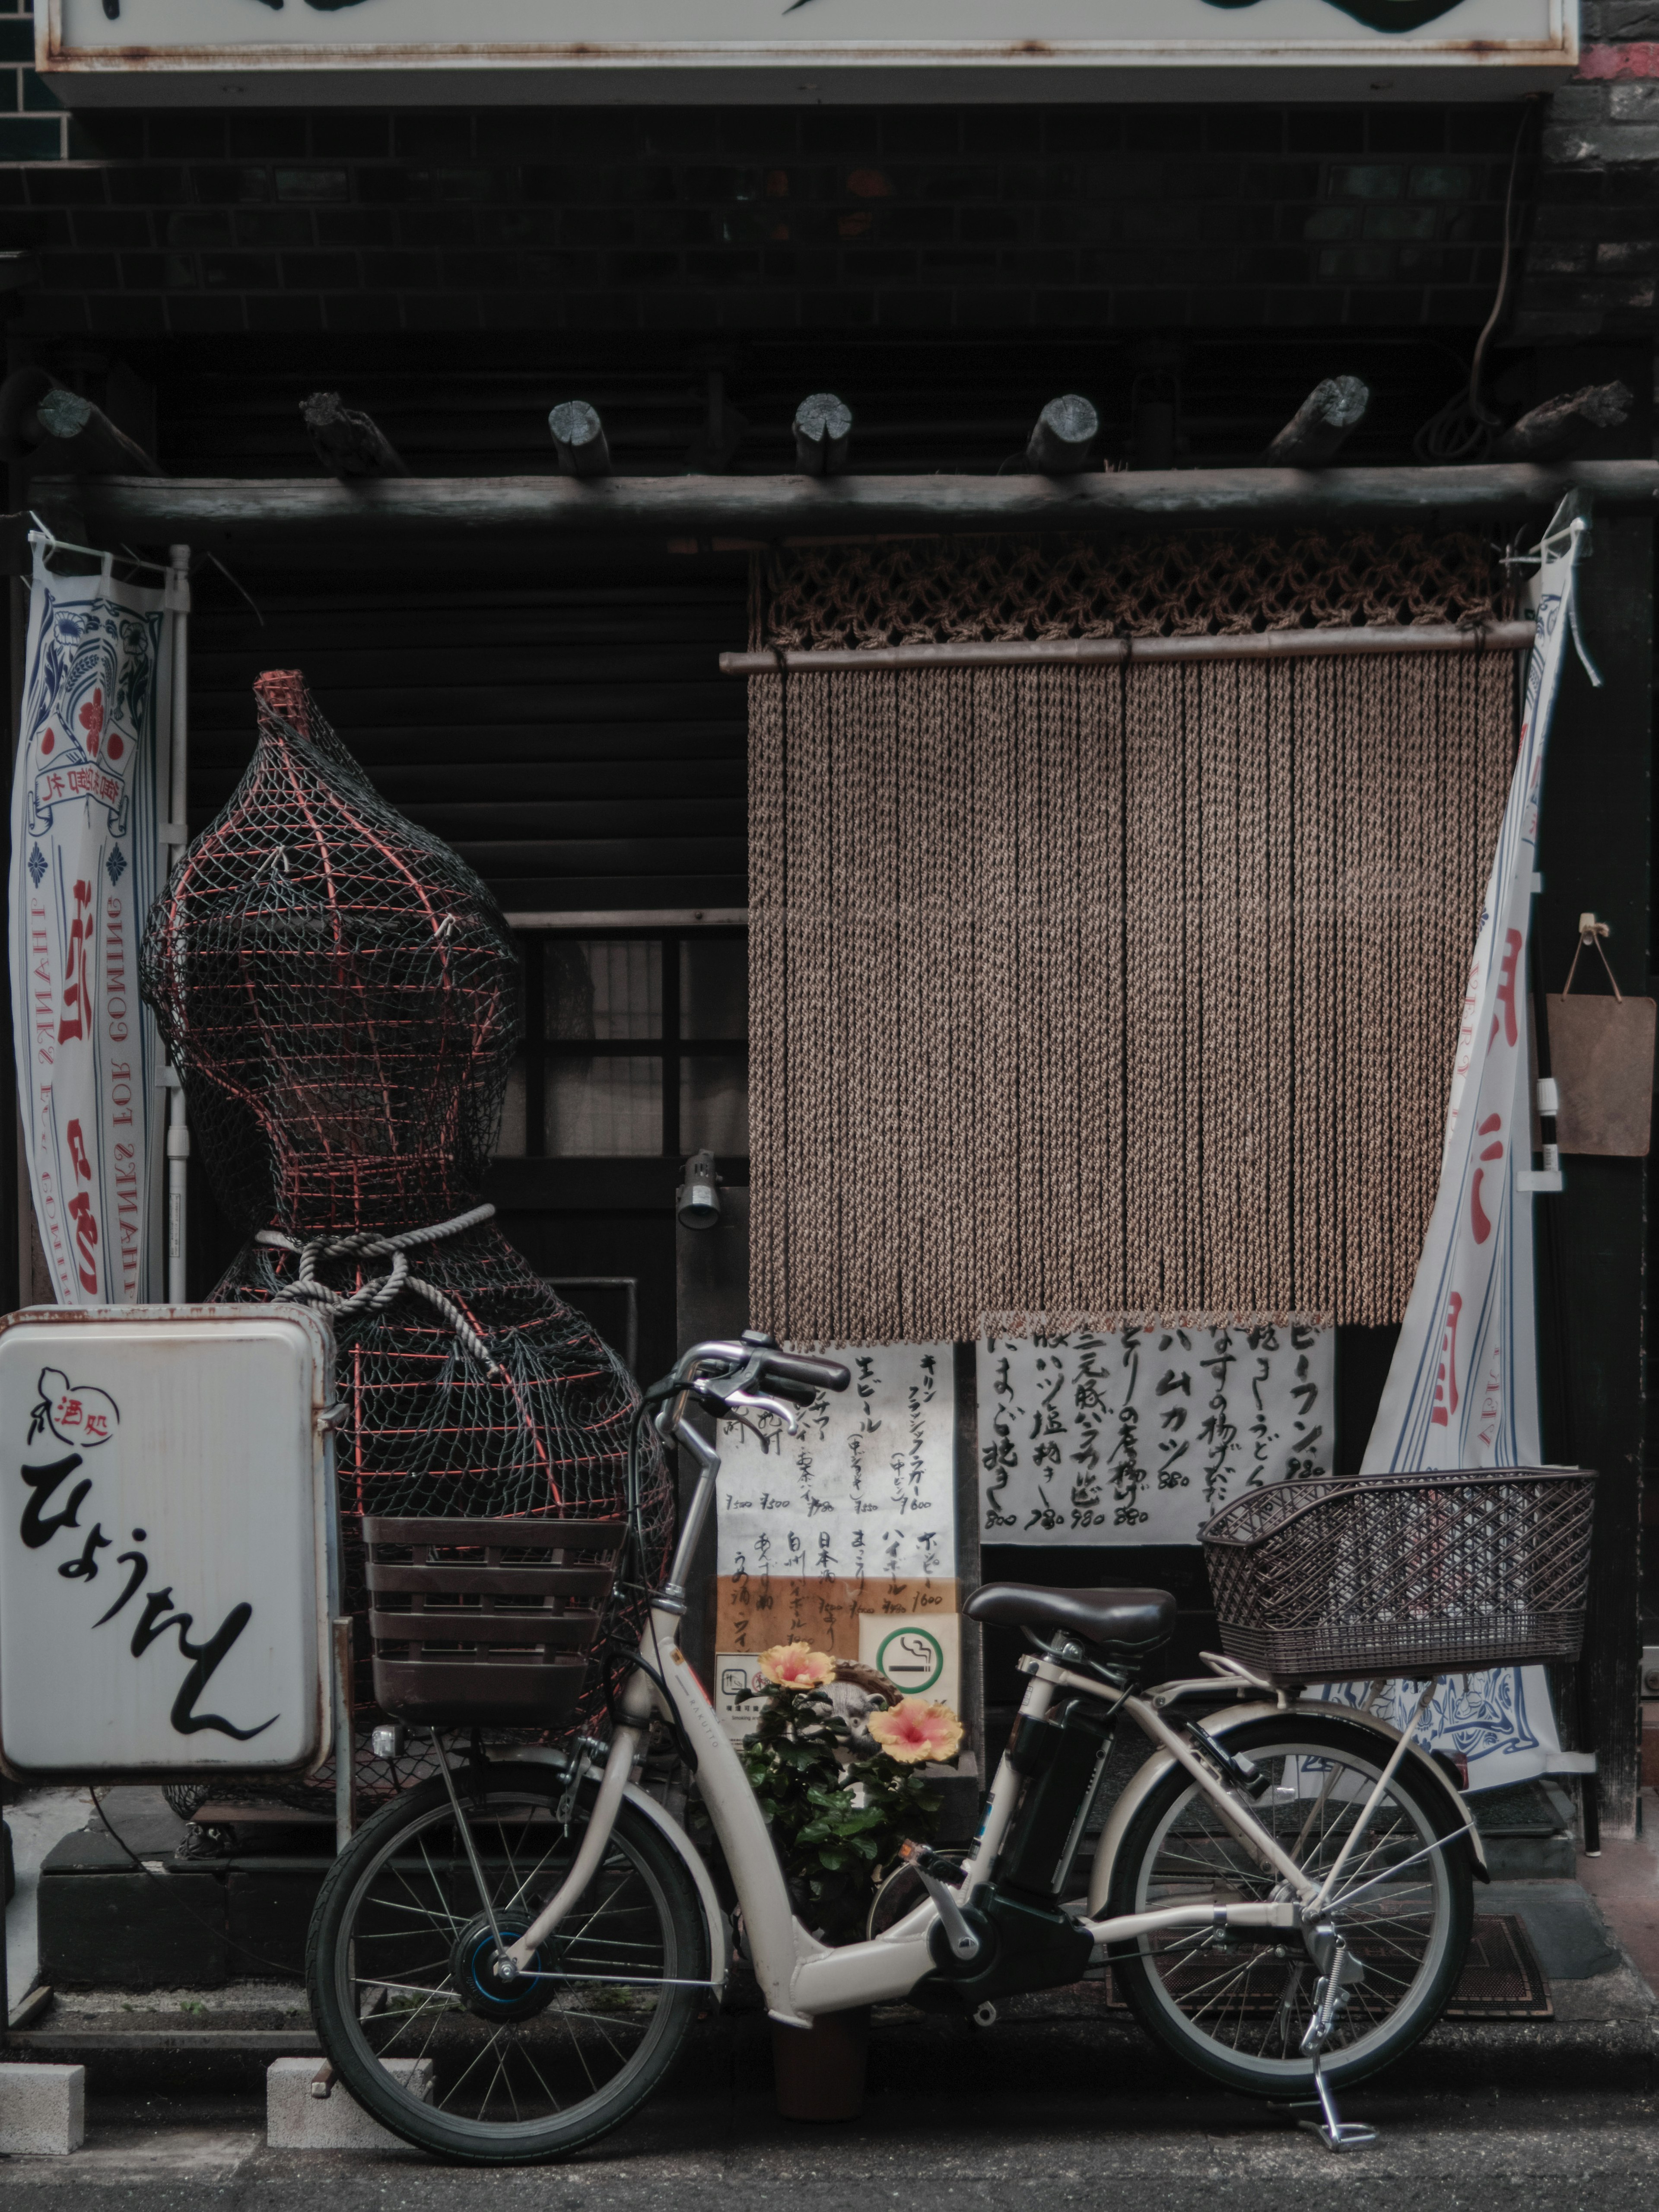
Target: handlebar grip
811	1373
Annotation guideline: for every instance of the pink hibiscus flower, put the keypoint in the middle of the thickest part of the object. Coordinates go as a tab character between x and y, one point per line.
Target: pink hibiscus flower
917	1728
795	1667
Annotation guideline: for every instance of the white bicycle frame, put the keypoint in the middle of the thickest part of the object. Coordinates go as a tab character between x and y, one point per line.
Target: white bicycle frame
801	1977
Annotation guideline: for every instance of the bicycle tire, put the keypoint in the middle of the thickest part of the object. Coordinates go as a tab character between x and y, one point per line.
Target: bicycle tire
642	1878
1267	1992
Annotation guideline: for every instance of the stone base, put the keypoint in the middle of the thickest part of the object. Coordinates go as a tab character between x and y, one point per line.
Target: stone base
297	2120
43	2110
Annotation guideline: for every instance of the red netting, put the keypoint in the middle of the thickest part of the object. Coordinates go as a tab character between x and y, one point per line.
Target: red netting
342	997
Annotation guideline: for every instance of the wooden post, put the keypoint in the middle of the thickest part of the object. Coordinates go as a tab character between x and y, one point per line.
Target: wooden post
1594	852
349	443
1548	433
1064	431
823	435
1320	424
579	440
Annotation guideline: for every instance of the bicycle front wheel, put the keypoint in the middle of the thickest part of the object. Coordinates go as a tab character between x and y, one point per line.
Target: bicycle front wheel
1237	2002
419	2033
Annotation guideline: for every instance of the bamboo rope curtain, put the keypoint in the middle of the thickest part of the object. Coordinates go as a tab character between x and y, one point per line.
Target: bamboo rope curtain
1085	995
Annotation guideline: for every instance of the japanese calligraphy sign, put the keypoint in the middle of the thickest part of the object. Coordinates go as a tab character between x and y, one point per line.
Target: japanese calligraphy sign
86	823
1138	1436
852	1519
165	1527
1462	1389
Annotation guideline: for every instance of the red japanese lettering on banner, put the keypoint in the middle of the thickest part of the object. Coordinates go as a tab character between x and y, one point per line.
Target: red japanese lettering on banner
1445	1383
1513	941
76	993
1479	1221
86	1239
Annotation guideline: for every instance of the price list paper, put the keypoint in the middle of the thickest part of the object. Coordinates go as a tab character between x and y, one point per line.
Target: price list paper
1138	1436
845	1531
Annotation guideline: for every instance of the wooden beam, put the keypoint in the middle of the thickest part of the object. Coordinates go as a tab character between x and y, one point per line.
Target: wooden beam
1317	430
349	444
735	511
579	440
1094	652
823	435
1549	432
1065	432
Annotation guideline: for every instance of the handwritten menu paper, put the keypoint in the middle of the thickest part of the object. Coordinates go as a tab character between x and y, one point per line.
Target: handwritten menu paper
1138	1436
853	1518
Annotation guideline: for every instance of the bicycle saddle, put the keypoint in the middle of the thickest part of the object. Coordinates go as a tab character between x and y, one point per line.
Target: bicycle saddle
1117	1619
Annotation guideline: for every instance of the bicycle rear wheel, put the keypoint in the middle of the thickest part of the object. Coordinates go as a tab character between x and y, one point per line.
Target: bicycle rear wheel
427	2042
1236	2002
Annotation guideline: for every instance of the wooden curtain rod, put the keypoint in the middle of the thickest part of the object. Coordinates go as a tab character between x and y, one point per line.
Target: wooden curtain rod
686	509
1256	645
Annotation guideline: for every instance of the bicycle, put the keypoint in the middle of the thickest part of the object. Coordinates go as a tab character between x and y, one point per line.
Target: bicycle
507	1960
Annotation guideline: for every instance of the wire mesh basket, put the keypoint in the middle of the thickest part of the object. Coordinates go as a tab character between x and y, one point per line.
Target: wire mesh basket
1340	1580
486	1621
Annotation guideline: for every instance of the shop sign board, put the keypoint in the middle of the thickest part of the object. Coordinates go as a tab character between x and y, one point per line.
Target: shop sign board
166	1542
221	52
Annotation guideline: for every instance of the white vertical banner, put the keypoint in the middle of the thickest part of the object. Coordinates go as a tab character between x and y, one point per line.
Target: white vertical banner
88	812
1462	1390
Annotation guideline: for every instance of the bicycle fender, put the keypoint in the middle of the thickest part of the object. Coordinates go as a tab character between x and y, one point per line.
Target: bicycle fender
1146	1778
719	1927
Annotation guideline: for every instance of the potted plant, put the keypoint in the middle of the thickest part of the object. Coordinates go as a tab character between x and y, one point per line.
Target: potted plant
841	1791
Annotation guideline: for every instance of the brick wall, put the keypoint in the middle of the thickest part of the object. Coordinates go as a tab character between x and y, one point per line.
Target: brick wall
901	219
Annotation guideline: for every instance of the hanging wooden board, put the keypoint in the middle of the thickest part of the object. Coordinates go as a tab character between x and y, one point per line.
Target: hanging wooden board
1601	1057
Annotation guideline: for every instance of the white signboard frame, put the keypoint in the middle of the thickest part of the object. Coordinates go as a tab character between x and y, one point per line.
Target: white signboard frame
222	51
167	1542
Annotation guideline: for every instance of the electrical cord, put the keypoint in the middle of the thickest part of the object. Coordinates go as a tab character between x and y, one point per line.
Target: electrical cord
1462	430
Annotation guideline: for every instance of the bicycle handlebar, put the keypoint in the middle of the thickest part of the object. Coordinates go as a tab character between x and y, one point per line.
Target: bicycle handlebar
755	1361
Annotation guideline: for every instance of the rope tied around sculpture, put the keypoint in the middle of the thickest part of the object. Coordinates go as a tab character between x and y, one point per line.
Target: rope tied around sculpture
381	1291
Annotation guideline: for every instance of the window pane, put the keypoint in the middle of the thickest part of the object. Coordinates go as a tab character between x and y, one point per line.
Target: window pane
510	1143
604	1104
714	987
603	988
715	1103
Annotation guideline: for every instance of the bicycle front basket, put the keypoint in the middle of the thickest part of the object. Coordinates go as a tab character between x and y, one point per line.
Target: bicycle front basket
1339	1579
486	1621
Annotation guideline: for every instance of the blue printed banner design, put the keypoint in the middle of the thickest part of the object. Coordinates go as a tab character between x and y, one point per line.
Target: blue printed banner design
1462	1389
86	823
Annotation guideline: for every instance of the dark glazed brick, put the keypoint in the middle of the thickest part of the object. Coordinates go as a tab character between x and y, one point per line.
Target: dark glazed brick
1404	130
1325	129
320	272
200	227
117	227
1450	306
17	41
217	187
204	316
1273	264
1281	181
80	272
58	187
311	185
838	310
1379	309
1367	181
924	134
107	138
1156	130
438	226
148	186
1082	131
289	227
1483	130
629	270
1217	306
833	131
126	316
914	310
53	313
978	309
989	133
185	135
444	135
403	272
283	311
1385	221
349	138
1300	309
1244	131
354	225
239	272
362	311
267	136
143	273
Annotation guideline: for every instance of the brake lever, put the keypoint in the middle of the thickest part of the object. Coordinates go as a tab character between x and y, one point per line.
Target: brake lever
723	1404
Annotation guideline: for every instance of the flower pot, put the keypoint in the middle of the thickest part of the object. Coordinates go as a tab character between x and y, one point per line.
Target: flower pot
819	2070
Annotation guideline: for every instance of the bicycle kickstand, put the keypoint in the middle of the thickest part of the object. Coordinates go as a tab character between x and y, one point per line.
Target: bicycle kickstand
1341	1971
